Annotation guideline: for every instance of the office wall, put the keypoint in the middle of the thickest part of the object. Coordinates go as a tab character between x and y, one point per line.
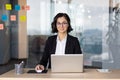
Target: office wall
13	41
14	31
18	31
22	32
4	34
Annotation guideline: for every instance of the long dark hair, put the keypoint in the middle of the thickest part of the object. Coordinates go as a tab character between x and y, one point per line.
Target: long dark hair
53	24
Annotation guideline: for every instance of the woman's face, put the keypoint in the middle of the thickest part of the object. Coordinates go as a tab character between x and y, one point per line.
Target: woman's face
62	25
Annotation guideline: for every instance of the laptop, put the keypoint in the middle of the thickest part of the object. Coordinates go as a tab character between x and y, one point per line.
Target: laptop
67	63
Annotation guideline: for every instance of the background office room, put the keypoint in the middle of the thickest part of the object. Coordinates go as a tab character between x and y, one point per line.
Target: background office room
26	24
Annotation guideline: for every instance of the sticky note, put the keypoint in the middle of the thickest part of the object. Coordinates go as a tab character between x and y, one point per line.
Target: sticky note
13	17
1	27
4	17
23	7
8	7
26	7
23	18
17	7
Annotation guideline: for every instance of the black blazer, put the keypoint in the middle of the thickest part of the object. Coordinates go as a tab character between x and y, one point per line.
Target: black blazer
72	47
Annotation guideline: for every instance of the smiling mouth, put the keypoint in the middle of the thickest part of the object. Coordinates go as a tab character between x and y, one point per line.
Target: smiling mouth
62	29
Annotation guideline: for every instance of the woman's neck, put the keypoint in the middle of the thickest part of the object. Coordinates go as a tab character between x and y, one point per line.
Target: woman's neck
61	36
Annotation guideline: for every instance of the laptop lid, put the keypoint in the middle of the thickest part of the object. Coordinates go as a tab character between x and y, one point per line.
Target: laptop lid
67	63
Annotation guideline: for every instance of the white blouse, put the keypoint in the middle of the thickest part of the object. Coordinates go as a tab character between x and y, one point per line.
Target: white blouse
60	46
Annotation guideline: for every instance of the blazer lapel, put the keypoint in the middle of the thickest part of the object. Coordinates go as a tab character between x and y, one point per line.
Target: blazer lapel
54	45
67	45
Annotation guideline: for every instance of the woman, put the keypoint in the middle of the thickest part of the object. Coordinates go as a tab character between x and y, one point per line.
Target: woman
59	44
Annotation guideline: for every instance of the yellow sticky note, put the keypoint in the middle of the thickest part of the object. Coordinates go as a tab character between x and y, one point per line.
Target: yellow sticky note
23	18
8	7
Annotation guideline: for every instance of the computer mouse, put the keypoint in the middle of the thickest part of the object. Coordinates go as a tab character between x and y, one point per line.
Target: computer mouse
38	71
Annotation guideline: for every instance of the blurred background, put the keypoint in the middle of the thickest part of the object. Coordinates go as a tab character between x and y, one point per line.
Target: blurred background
95	23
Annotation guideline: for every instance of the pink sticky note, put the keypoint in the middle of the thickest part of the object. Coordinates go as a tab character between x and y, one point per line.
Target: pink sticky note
23	7
1	27
13	17
26	7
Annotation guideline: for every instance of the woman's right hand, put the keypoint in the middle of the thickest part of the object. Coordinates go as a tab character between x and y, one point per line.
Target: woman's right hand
39	67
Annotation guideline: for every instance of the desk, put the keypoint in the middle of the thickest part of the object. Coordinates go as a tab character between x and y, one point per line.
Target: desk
89	74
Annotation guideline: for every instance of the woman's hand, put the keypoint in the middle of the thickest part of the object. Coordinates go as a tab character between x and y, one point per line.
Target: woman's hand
39	67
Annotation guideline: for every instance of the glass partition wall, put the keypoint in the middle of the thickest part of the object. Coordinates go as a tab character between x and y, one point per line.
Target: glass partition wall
113	36
38	29
91	21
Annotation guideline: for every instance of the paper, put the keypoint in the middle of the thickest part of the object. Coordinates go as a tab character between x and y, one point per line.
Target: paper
8	7
17	7
23	18
1	27
13	17
4	17
103	70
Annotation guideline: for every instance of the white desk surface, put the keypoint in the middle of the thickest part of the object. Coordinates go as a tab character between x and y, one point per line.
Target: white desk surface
88	74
